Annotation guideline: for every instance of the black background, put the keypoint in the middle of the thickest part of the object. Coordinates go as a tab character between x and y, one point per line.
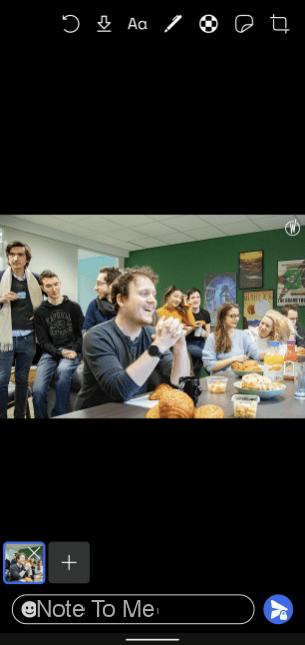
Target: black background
130	121
136	125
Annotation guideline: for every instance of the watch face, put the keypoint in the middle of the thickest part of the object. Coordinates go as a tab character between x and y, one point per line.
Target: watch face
154	351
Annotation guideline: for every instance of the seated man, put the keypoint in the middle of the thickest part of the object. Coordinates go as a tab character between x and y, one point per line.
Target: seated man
58	325
291	312
101	308
21	569
120	358
196	340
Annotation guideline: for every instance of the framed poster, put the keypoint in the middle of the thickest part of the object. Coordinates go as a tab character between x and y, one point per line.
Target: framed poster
219	288
251	269
256	303
291	283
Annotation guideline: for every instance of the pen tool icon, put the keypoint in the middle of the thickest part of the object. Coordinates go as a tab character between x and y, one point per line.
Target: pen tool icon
173	23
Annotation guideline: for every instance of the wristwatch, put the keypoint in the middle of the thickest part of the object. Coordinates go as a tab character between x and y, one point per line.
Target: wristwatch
154	351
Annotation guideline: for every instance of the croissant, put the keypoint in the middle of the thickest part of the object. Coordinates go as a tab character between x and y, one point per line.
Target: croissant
153	413
162	388
176	405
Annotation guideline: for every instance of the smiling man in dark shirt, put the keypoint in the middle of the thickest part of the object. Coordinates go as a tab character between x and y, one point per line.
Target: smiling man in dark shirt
58	325
19	570
121	358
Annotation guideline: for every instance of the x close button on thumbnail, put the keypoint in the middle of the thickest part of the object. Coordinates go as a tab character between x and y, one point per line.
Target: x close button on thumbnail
69	562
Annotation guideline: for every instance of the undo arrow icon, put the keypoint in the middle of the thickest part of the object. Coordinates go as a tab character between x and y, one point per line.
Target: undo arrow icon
66	17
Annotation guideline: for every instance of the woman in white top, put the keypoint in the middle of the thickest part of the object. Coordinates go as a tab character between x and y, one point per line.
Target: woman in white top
273	326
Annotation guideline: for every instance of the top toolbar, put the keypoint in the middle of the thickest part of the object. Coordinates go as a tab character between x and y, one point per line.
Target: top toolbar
207	24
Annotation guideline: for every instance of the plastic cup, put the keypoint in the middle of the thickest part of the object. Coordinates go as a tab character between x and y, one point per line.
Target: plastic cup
245	406
217	384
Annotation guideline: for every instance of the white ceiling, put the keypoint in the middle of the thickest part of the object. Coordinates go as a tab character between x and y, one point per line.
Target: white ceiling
134	232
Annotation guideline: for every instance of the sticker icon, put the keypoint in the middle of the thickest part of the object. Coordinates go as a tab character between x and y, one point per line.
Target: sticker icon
243	22
208	23
278	609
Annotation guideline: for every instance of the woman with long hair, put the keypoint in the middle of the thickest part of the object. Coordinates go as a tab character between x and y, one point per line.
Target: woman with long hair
273	326
175	307
228	344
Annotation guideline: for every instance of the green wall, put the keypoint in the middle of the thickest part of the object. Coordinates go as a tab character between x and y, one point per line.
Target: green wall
186	264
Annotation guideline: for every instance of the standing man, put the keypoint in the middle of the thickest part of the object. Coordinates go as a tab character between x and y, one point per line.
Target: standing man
121	359
20	294
196	340
58	324
291	312
101	308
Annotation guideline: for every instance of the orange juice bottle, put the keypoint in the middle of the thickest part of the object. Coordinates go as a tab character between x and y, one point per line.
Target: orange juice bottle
274	362
290	361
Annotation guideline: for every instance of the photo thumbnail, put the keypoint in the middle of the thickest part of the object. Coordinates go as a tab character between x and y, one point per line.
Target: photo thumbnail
24	562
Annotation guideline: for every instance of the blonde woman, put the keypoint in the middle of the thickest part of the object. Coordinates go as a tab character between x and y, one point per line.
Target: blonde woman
273	326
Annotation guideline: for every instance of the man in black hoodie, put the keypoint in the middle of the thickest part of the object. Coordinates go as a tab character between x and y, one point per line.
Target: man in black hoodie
58	325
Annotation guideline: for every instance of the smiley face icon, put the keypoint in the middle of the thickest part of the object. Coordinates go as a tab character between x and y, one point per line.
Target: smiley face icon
28	609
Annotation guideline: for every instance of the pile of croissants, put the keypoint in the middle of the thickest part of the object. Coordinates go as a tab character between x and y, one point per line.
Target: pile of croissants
175	404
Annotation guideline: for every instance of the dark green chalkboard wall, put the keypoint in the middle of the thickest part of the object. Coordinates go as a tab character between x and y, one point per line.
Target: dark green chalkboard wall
186	264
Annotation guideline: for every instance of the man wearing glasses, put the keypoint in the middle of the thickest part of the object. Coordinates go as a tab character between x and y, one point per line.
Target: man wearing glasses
20	294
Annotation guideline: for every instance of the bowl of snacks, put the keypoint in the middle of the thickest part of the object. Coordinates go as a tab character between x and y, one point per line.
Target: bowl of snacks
247	367
217	384
245	405
261	386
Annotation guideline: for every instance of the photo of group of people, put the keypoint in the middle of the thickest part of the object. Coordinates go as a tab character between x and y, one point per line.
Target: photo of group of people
130	339
24	563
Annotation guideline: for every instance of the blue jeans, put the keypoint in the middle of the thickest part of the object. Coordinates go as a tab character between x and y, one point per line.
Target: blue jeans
63	369
195	349
23	352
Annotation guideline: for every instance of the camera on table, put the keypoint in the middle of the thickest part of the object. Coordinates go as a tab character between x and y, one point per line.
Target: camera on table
191	386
